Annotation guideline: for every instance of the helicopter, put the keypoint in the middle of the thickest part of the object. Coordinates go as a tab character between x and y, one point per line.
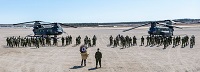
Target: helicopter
165	30
39	29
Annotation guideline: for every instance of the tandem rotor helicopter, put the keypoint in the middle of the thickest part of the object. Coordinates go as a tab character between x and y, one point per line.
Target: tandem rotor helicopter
39	29
165	29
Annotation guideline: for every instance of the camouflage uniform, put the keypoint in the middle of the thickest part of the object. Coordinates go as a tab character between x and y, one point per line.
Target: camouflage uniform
142	41
63	41
98	56
94	40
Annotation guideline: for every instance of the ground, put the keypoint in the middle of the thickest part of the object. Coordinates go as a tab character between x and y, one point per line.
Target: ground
68	58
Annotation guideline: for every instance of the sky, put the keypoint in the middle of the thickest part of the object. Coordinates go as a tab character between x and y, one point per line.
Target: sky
96	11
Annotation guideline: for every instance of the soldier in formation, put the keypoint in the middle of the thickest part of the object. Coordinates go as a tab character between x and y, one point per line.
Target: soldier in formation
78	40
94	39
142	41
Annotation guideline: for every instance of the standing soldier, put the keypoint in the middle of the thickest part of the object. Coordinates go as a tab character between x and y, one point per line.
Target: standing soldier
70	39
174	42
86	40
37	42
43	41
115	43
89	43
98	56
134	41
142	41
111	40
29	42
165	43
7	40
130	41
79	39
148	40
193	37
191	42
76	40
54	41
183	42
94	40
63	41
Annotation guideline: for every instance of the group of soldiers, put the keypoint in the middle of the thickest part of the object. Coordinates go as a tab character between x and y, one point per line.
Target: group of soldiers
36	41
87	41
67	40
152	40
24	42
120	40
47	41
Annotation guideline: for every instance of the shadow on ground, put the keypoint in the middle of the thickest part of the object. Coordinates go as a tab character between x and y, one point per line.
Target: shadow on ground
76	67
92	68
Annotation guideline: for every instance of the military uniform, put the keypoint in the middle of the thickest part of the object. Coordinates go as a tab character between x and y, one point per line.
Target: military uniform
98	56
94	40
111	40
63	41
142	41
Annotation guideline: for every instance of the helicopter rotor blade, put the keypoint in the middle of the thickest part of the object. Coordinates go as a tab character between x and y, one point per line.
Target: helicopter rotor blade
64	24
136	27
169	25
178	27
30	22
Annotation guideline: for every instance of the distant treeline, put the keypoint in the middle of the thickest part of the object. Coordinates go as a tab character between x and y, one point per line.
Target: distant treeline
99	24
187	21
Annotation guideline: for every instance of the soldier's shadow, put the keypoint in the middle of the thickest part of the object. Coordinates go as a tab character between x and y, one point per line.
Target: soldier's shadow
76	67
92	68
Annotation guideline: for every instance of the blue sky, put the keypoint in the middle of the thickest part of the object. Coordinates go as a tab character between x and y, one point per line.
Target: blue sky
76	11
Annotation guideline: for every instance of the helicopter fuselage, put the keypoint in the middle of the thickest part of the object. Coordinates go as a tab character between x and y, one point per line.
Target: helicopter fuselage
164	31
54	30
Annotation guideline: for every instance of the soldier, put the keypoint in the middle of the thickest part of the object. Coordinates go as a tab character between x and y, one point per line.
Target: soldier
165	43
67	40
191	42
37	43
63	41
76	40
86	40
148	43
98	56
79	39
115	43
70	39
134	41
130	41
43	41
7	40
29	42
94	40
111	40
89	43
55	41
193	38
142	41
174	42
183	42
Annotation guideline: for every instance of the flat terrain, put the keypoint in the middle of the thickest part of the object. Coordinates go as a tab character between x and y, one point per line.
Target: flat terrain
132	59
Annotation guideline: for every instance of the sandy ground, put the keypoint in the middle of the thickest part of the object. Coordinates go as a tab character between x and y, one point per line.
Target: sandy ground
68	58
